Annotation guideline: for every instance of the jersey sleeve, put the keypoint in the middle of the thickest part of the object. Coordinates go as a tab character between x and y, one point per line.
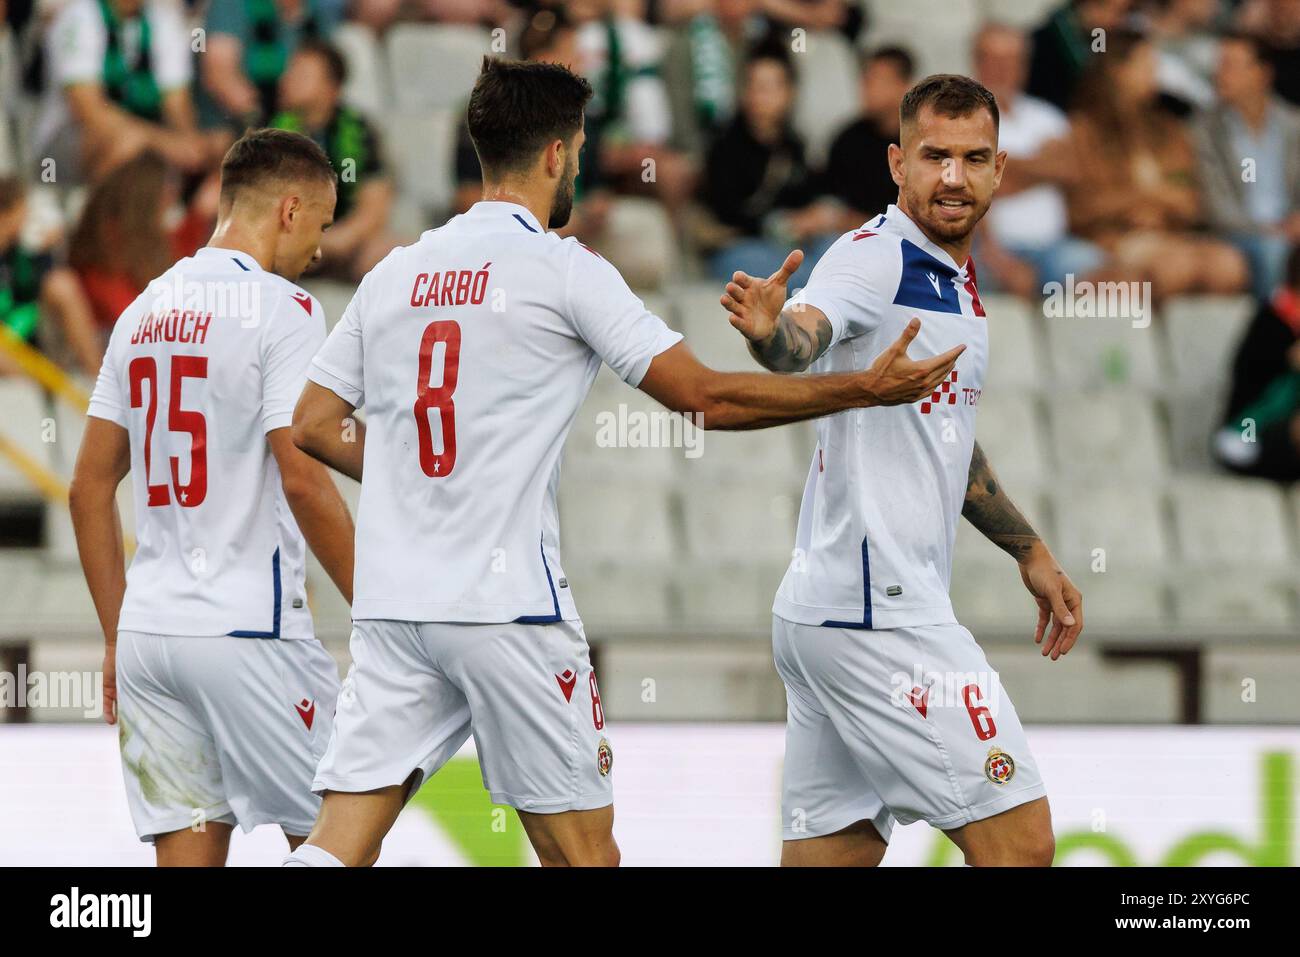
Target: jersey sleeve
293	335
339	363
846	285
610	318
108	400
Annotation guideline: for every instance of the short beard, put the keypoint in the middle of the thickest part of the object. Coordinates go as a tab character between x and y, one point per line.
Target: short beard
948	232
562	205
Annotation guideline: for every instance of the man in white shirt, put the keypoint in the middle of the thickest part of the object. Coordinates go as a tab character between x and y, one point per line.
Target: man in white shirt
224	697
893	710
472	350
117	82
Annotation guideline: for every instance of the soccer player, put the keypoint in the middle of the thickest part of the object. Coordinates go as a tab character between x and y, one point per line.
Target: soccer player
224	697
472	350
890	702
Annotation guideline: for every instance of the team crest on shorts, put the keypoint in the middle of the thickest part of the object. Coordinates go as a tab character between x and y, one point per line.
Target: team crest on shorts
999	767
604	757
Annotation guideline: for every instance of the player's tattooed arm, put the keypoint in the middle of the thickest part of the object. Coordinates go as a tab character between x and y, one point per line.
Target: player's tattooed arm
990	509
796	342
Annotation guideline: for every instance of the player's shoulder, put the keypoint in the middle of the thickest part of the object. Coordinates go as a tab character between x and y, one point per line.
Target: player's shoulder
872	246
285	292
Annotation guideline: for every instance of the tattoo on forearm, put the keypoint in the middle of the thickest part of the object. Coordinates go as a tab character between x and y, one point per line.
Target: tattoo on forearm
793	348
990	510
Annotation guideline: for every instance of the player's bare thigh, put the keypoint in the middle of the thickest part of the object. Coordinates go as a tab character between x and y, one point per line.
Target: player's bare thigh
858	845
1019	837
190	848
573	838
352	825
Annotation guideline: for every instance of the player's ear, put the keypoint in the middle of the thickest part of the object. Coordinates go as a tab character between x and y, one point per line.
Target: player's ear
290	206
896	163
555	154
999	164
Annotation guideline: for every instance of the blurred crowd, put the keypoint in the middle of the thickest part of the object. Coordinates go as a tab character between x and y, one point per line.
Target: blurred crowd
1149	140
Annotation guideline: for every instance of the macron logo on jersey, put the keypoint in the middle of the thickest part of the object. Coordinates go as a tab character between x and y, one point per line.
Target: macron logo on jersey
303	299
926	283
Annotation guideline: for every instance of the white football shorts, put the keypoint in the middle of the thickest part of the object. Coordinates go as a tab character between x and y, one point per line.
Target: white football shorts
222	729
526	692
905	724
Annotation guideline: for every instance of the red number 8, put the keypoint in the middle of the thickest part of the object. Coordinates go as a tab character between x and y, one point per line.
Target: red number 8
436	465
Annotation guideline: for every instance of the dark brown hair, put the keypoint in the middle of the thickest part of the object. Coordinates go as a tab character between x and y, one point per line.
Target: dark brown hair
261	156
948	94
518	107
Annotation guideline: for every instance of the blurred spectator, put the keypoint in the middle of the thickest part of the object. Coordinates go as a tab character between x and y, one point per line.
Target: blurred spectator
757	186
621	55
123	239
310	103
838	15
1261	432
1064	45
249	43
1025	241
702	66
1250	123
461	11
117	83
857	169
1184	34
33	287
1136	194
1277	24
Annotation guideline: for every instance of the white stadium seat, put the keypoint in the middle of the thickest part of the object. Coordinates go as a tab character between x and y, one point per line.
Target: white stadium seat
334	297
25	423
1009	428
827	98
1105	353
1223	522
366	88
1110	435
707	330
434	66
619	596
421	147
638	240
620	432
1026	14
937	32
1127	523
779	455
620	521
751	521
733	596
1203	333
1233	598
1016	356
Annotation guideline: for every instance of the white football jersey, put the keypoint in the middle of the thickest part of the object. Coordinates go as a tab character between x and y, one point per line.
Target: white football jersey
886	485
206	361
472	350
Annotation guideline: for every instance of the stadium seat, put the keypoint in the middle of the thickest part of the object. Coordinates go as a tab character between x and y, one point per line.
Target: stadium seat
1106	353
937	32
619	596
638	240
1111	529
421	147
729	596
1026	14
366	88
1203	333
1124	604
1224	522
778	455
612	418
624	521
827	98
706	328
1233	598
434	66
1109	435
26	423
1015	352
753	521
1010	430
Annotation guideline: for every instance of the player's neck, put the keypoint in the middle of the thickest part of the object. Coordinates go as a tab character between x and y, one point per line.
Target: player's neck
247	239
537	201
